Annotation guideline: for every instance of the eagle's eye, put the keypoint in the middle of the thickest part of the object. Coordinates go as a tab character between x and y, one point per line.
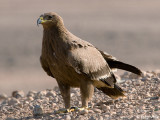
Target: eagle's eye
49	17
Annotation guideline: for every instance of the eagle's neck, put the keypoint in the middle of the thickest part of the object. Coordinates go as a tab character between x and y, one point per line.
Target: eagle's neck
56	34
56	38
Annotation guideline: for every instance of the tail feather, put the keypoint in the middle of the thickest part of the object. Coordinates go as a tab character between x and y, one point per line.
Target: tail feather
114	63
124	66
114	93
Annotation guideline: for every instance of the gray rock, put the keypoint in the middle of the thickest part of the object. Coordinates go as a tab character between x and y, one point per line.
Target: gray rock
38	110
154	98
97	110
92	118
82	112
13	101
31	93
18	94
67	117
10	119
3	96
50	94
105	107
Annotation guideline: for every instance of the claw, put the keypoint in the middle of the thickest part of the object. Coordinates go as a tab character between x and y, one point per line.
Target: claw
83	108
61	111
71	109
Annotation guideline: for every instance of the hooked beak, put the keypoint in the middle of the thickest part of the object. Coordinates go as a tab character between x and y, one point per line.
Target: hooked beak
40	21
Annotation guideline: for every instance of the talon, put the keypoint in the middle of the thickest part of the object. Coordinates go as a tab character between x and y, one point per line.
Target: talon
62	111
71	109
83	108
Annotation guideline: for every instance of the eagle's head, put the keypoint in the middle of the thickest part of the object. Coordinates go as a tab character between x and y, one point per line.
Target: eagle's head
49	20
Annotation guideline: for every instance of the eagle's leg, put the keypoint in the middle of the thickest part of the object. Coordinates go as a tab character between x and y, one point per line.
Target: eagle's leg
65	92
87	90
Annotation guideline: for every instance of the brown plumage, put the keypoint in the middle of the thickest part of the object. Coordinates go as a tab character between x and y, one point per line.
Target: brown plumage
77	63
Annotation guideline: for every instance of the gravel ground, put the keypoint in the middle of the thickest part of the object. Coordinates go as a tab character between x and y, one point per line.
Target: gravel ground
142	101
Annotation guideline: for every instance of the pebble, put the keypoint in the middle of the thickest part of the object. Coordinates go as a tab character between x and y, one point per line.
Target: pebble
30	98
18	94
41	94
105	107
67	117
38	110
31	93
154	98
92	118
3	96
50	94
82	112
100	118
149	75
133	76
96	110
13	101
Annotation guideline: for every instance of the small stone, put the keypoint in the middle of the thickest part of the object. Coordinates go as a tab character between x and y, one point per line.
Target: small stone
13	101
31	93
30	98
18	94
97	110
20	105
133	118
133	76
92	118
154	98
113	113
72	94
148	94
3	96
50	93
100	118
41	94
67	117
26	102
105	107
10	119
158	74
144	79
90	111
125	75
82	112
38	110
149	75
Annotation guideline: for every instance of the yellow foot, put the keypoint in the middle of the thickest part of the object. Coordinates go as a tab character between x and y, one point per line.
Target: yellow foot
71	109
83	108
63	110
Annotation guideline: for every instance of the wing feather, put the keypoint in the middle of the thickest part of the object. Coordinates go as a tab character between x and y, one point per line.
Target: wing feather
88	60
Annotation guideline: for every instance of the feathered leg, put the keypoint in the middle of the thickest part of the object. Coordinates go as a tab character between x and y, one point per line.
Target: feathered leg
87	90
65	92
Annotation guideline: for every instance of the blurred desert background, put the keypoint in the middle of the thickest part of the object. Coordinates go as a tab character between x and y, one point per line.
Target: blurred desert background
129	30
